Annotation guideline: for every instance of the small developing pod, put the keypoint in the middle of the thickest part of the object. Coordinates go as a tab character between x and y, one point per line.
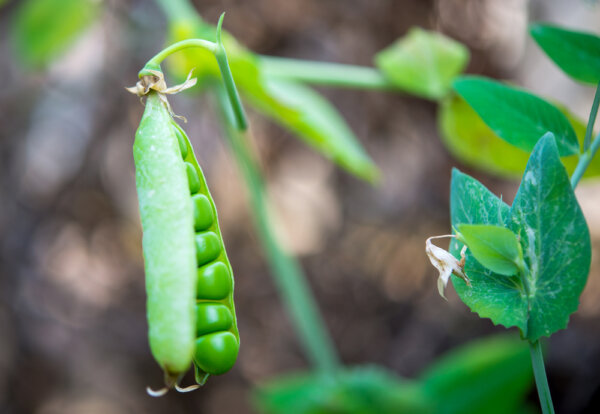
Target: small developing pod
167	216
217	338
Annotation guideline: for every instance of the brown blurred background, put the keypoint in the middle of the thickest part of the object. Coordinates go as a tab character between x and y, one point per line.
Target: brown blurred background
72	300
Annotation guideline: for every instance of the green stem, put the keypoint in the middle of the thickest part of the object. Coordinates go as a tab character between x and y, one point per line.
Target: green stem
592	119
219	52
584	161
176	47
589	149
286	271
323	73
541	381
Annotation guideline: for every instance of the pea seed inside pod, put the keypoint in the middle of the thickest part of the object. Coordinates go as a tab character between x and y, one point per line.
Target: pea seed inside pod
214	281
203	214
208	247
181	140
212	317
193	179
216	353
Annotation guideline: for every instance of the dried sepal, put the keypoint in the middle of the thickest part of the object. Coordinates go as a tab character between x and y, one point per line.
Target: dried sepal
156	81
446	263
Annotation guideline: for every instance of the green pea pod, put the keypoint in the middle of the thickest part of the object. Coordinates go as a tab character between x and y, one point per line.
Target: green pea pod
217	341
167	217
189	281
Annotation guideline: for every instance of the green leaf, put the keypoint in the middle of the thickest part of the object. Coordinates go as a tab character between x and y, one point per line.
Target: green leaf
352	391
43	29
491	376
423	63
516	116
490	295
576	53
495	247
556	241
310	116
471	141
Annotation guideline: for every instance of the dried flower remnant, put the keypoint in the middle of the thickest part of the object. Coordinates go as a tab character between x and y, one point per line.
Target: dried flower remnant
156	81
445	263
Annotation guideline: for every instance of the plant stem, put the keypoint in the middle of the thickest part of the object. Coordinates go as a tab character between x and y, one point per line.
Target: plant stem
324	73
176	47
592	120
286	271
219	52
589	149
584	161
541	381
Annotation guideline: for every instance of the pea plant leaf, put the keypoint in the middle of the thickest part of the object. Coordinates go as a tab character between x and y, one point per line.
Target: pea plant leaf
490	295
518	117
42	29
491	375
471	141
351	391
423	63
554	239
576	53
495	247
312	118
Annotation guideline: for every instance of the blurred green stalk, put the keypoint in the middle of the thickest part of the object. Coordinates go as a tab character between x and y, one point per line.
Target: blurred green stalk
286	271
325	73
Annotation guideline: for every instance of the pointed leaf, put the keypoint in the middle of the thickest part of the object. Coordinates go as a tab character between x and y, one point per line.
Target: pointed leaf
556	242
423	63
516	116
576	53
45	28
306	113
470	140
491	376
495	247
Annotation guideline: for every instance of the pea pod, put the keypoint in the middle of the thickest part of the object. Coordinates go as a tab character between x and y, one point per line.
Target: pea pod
191	315
166	212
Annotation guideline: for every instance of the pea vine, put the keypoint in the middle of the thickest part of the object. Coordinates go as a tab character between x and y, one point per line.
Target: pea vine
527	263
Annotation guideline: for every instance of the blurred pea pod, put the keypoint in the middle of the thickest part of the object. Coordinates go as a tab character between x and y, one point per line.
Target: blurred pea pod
290	104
